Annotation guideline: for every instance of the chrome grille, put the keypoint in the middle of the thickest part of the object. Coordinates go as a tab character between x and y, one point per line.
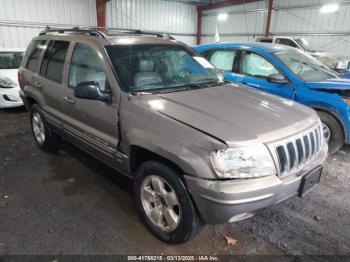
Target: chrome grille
297	151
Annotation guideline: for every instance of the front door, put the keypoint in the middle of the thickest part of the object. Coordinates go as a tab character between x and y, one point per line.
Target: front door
254	71
94	123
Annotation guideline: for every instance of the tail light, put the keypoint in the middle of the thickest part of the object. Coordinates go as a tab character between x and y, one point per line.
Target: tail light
19	77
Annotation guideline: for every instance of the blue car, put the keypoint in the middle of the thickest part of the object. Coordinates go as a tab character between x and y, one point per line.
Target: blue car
292	74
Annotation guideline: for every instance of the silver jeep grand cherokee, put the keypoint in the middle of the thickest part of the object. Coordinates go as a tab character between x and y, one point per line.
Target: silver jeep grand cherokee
199	149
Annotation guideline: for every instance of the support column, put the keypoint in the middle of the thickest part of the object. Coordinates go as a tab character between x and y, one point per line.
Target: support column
268	19
101	14
199	26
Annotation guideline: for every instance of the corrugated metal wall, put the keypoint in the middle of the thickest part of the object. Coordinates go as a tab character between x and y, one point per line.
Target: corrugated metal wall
301	18
241	26
20	20
328	32
178	19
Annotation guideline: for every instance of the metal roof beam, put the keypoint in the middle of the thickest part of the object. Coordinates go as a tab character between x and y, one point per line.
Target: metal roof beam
226	3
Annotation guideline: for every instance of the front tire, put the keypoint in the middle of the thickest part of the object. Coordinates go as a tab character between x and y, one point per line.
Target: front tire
332	131
42	133
164	203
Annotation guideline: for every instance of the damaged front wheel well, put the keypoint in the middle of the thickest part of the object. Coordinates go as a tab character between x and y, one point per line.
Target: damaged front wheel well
30	102
139	155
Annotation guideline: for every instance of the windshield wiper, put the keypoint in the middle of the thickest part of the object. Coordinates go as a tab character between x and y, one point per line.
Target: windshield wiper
174	89
210	82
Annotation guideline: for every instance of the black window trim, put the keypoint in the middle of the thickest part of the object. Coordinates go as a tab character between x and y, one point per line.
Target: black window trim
49	46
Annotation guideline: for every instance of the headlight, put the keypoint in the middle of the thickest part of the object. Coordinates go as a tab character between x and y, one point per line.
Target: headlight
343	64
245	162
6	82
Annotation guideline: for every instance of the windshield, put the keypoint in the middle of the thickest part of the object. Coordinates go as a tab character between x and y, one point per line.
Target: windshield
161	68
305	66
305	44
11	60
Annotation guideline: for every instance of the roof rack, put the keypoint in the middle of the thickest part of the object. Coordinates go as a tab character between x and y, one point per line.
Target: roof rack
77	29
110	30
96	31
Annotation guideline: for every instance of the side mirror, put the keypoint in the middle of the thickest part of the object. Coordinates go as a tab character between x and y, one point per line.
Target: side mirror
277	79
91	90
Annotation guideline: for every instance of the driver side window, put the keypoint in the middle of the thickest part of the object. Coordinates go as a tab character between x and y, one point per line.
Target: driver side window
257	66
86	66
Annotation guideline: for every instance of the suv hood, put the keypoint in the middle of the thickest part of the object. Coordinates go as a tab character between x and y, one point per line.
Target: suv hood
331	84
236	115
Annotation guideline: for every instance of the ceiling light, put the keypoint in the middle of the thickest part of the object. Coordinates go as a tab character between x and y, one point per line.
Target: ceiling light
326	9
222	17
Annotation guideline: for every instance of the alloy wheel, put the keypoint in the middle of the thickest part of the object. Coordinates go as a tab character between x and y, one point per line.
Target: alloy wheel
160	202
326	132
38	128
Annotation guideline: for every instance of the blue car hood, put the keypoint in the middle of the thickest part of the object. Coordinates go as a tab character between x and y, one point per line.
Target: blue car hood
335	83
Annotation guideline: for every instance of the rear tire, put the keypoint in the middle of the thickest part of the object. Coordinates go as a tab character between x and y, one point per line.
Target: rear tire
333	132
154	207
43	135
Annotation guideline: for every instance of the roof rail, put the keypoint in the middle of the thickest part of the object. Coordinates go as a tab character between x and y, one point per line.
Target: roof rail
110	30
96	31
78	29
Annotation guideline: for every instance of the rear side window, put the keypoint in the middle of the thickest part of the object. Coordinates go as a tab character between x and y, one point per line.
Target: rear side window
265	40
34	55
223	59
53	61
85	66
285	41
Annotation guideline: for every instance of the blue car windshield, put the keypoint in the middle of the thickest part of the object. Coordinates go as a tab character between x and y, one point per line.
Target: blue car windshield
304	66
150	68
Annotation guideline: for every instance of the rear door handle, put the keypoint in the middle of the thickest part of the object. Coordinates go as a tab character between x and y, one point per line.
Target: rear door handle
69	100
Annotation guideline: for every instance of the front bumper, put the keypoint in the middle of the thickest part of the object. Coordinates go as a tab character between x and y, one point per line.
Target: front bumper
228	201
9	97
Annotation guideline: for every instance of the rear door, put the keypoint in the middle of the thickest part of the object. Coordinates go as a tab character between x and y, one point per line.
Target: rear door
254	70
50	79
92	122
29	70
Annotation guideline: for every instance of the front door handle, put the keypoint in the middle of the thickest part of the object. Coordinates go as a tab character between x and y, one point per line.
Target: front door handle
69	100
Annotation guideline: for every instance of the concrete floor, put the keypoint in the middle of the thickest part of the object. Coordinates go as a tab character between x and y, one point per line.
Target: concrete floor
70	203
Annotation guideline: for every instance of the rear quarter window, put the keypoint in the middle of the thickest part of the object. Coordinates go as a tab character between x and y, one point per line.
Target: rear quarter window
33	55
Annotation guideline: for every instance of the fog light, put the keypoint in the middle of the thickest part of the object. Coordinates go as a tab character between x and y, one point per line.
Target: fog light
6	98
